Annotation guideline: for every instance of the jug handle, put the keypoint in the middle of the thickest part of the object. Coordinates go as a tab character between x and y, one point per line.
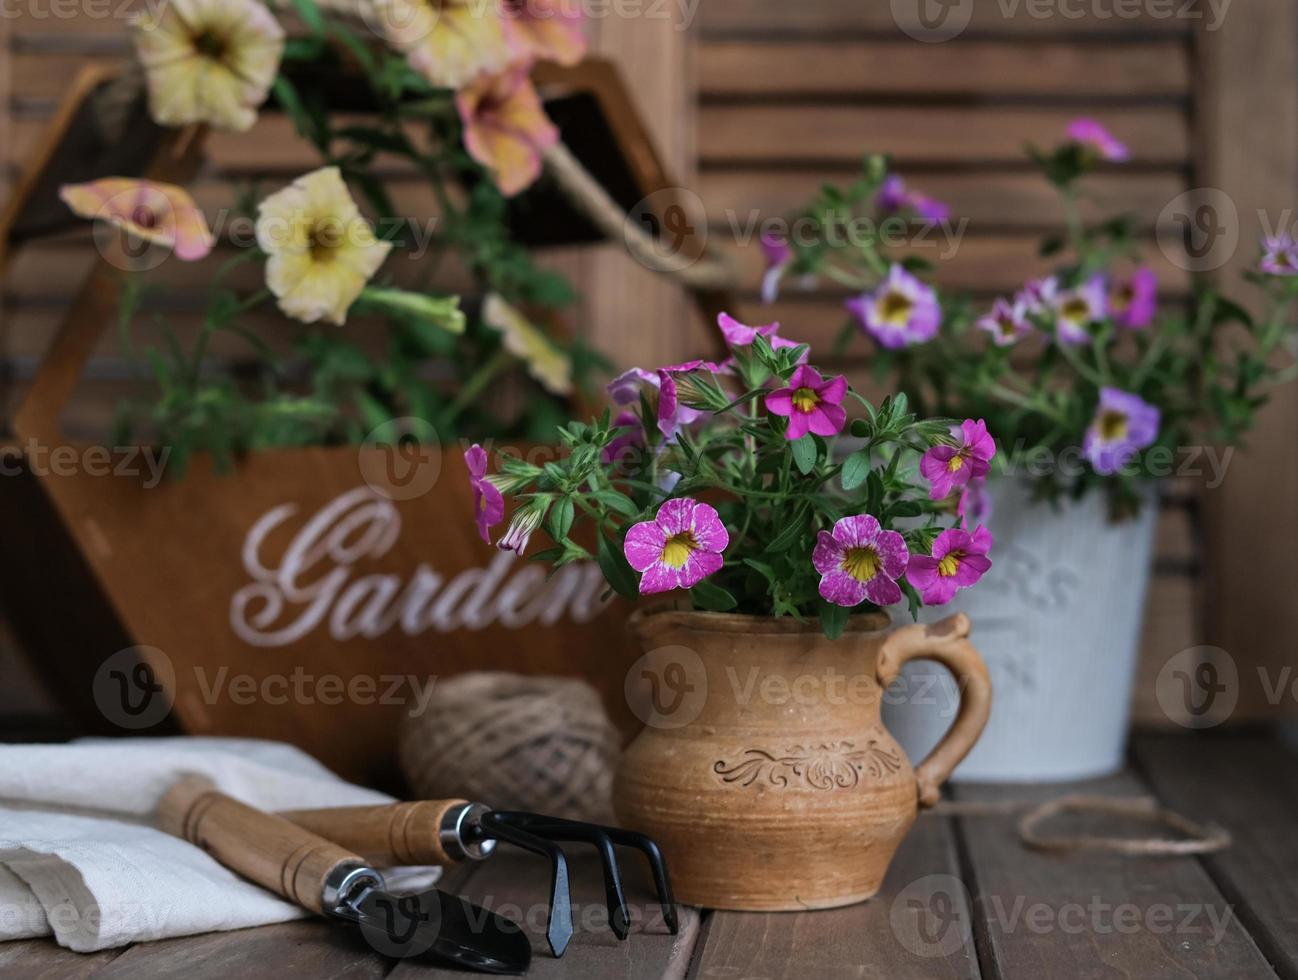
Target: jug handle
948	643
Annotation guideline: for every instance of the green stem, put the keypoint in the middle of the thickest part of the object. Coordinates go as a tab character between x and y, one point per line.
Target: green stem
478	383
212	324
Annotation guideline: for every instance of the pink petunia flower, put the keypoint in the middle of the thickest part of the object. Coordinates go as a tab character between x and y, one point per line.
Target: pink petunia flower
545	30
506	128
1134	303
672	415
738	334
163	214
1093	135
810	403
1281	255
860	561
1124	424
949	468
1007	323
901	312
894	197
679	548
488	504
958	561
1076	309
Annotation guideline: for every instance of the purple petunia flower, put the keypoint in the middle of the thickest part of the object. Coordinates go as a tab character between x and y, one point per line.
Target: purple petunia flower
1124	424
901	312
860	561
1134	303
810	403
672	416
949	468
778	256
739	334
958	561
895	197
1281	256
679	548
1038	296
1076	309
488	503
975	503
1007	323
632	437
1093	135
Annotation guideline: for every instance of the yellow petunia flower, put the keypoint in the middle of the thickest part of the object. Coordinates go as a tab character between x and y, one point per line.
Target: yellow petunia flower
545	362
449	42
208	61
322	252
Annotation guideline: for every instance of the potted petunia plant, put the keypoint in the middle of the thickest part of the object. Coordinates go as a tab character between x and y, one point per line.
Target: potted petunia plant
1095	392
720	488
449	95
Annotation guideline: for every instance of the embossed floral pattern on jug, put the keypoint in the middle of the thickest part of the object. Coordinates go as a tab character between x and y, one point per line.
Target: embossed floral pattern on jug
779	788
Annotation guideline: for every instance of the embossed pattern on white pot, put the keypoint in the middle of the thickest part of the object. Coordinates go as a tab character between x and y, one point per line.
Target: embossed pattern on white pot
1058	621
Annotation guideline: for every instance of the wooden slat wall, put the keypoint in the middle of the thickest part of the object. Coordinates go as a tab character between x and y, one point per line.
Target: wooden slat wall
793	95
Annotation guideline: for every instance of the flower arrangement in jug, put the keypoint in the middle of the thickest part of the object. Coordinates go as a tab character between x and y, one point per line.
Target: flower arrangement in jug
1088	380
450	98
759	485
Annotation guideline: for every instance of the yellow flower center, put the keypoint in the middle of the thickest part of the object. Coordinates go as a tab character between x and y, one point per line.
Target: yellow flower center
955	463
861	563
896	308
1122	299
1076	310
678	548
949	565
1112	426
804	399
1008	328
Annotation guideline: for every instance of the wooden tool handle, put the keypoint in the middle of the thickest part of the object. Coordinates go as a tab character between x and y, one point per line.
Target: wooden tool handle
399	833
276	854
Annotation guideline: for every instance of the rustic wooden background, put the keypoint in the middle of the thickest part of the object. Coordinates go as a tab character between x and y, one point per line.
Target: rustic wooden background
756	101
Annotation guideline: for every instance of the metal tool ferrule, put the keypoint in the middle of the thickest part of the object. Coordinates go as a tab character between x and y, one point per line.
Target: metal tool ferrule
343	882
459	833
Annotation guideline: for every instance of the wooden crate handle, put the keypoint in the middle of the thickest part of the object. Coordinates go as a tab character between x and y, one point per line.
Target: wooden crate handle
279	855
397	833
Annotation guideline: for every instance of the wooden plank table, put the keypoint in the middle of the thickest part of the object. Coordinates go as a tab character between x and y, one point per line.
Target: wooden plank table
963	899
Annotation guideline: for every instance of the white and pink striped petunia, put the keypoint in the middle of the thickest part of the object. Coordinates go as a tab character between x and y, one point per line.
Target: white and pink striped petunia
859	561
679	548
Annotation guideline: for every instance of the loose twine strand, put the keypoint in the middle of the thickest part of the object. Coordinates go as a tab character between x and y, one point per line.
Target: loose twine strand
1198	838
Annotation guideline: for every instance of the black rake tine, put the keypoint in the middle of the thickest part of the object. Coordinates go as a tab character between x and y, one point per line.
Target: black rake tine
558	930
624	838
575	831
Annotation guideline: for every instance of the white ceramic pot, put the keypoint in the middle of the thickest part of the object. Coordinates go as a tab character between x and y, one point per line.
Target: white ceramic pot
1058	620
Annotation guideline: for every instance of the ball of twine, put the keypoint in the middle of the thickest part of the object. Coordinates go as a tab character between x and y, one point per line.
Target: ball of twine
542	744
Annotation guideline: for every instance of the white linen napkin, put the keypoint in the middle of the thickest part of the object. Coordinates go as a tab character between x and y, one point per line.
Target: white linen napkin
80	858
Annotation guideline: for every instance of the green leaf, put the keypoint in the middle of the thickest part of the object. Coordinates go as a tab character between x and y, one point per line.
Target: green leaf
619	502
559	522
789	536
833	619
856	469
618	573
310	14
712	597
805	453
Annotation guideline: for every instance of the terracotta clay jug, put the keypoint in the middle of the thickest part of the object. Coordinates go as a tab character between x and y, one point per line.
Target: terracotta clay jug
764	771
